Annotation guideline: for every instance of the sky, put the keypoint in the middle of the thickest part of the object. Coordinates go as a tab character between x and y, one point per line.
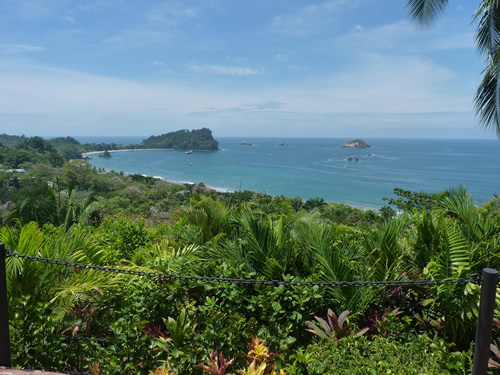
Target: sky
282	68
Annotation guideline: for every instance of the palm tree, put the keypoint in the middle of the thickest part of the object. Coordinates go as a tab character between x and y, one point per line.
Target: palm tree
487	17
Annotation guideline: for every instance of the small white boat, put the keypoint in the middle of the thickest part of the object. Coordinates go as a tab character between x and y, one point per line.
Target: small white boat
189	152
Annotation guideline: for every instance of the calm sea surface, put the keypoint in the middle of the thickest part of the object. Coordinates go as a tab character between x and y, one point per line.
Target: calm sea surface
310	167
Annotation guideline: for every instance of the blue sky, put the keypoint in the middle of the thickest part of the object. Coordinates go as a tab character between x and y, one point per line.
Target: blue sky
333	68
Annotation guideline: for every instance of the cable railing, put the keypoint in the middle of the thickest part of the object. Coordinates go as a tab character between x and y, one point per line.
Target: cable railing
488	281
474	278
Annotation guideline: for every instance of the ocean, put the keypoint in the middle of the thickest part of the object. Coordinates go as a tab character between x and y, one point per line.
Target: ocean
319	167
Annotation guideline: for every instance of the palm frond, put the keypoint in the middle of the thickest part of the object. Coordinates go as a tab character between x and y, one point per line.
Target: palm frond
487	98
460	207
87	212
384	251
487	15
425	12
343	264
454	259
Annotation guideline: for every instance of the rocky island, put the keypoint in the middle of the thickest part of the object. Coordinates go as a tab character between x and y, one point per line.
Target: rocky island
356	143
105	155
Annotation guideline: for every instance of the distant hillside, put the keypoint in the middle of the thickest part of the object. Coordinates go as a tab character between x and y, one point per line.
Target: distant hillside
197	139
68	146
12	140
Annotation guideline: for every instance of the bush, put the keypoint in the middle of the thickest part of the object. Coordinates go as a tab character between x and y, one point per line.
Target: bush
385	355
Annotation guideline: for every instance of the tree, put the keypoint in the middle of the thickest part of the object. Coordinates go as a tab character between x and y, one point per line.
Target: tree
487	17
409	200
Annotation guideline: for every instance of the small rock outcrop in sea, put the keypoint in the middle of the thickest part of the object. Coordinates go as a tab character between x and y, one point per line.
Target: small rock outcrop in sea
245	143
356	143
105	155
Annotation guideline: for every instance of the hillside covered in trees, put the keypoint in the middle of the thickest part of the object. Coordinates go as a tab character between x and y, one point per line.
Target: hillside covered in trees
16	151
72	318
197	139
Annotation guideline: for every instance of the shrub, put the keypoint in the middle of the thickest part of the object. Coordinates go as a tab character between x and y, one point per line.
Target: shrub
384	355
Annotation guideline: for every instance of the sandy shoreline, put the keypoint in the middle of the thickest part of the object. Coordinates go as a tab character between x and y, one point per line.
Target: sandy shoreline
127	149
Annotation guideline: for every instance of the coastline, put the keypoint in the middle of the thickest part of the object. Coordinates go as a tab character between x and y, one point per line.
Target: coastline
84	154
223	190
317	168
127	150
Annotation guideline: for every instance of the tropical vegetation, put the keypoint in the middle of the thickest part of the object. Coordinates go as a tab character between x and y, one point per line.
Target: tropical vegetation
70	318
17	151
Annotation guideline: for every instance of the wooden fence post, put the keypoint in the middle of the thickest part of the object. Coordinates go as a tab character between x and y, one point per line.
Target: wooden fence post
485	321
4	312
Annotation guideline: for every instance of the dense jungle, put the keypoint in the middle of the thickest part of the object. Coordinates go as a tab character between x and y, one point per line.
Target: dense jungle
73	319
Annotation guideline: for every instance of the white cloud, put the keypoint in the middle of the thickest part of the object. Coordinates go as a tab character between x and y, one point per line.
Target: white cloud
381	87
138	37
69	19
19	48
281	57
171	13
308	20
298	68
380	84
402	37
383	84
226	70
32	9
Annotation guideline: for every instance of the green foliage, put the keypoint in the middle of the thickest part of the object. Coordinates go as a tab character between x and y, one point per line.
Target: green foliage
410	200
12	140
196	139
314	203
126	236
153	226
41	203
385	355
35	202
180	330
69	147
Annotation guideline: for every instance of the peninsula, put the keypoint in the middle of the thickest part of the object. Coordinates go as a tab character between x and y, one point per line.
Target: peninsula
356	143
70	148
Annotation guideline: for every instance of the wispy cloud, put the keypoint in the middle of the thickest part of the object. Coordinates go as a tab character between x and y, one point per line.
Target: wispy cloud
402	37
254	107
31	9
69	19
171	13
298	68
380	84
226	70
19	48
308	20
138	37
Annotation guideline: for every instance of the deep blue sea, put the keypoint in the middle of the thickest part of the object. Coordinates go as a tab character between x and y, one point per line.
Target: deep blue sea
317	167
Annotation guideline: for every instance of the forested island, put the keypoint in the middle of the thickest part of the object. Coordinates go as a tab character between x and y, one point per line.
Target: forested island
75	319
198	139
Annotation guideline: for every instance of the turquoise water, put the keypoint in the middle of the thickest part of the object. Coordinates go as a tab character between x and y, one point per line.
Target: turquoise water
309	167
